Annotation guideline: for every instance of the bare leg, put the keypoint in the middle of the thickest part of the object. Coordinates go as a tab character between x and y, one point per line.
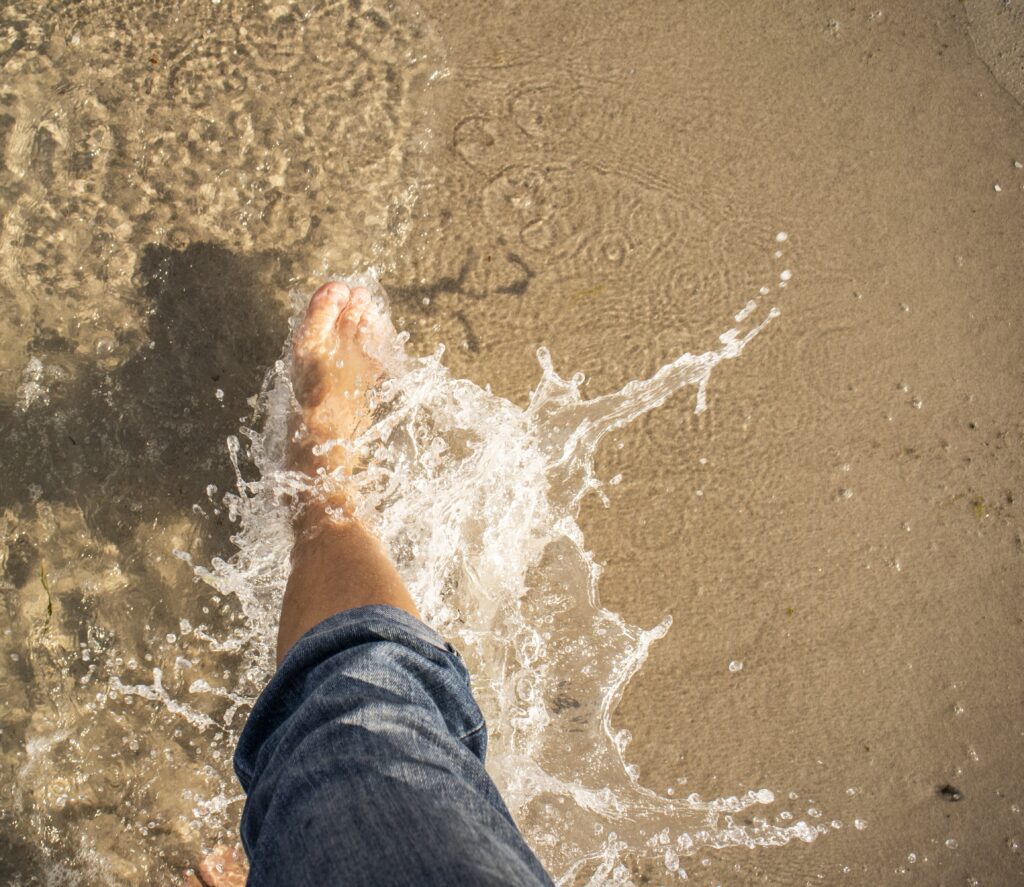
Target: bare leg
336	564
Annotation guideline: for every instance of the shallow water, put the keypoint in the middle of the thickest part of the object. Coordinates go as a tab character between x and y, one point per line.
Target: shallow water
477	501
836	538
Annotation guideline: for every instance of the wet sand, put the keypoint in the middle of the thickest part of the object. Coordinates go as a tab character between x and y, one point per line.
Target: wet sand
854	536
844	520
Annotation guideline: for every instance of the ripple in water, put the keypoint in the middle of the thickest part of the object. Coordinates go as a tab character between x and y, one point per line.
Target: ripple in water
477	501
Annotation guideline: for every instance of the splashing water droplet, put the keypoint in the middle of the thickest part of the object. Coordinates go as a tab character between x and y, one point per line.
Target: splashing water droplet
477	499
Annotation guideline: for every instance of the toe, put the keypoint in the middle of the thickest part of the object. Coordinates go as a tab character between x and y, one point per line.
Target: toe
358	305
224	867
327	304
375	325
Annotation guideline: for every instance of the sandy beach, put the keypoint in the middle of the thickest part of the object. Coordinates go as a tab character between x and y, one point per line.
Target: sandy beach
837	538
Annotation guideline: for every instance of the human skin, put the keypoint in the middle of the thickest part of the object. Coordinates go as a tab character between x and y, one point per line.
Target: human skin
337	563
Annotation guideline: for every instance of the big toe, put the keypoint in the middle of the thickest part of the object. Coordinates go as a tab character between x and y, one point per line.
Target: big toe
326	306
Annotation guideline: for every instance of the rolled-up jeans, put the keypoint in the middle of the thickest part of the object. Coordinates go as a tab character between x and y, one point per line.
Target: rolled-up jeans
363	763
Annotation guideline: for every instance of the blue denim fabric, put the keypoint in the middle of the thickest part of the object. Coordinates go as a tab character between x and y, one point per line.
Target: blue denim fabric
363	762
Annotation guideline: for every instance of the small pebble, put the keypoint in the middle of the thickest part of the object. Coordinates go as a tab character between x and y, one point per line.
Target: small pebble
950	793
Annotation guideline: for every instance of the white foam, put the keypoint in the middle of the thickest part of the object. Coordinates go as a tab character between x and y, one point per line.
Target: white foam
477	499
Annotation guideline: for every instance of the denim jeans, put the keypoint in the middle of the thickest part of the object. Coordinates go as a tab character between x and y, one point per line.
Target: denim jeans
363	763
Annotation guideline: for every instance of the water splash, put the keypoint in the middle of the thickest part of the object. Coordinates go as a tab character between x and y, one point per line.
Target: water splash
477	501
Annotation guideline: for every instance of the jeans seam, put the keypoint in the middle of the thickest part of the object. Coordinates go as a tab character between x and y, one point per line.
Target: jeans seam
473	732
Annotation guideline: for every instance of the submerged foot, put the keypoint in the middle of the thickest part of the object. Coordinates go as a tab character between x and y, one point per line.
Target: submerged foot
223	867
333	368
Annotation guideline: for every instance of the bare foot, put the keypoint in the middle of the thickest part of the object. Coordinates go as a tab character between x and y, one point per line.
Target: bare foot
223	867
332	371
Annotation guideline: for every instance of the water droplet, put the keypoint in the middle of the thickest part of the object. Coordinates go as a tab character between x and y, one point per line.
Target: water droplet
735	665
